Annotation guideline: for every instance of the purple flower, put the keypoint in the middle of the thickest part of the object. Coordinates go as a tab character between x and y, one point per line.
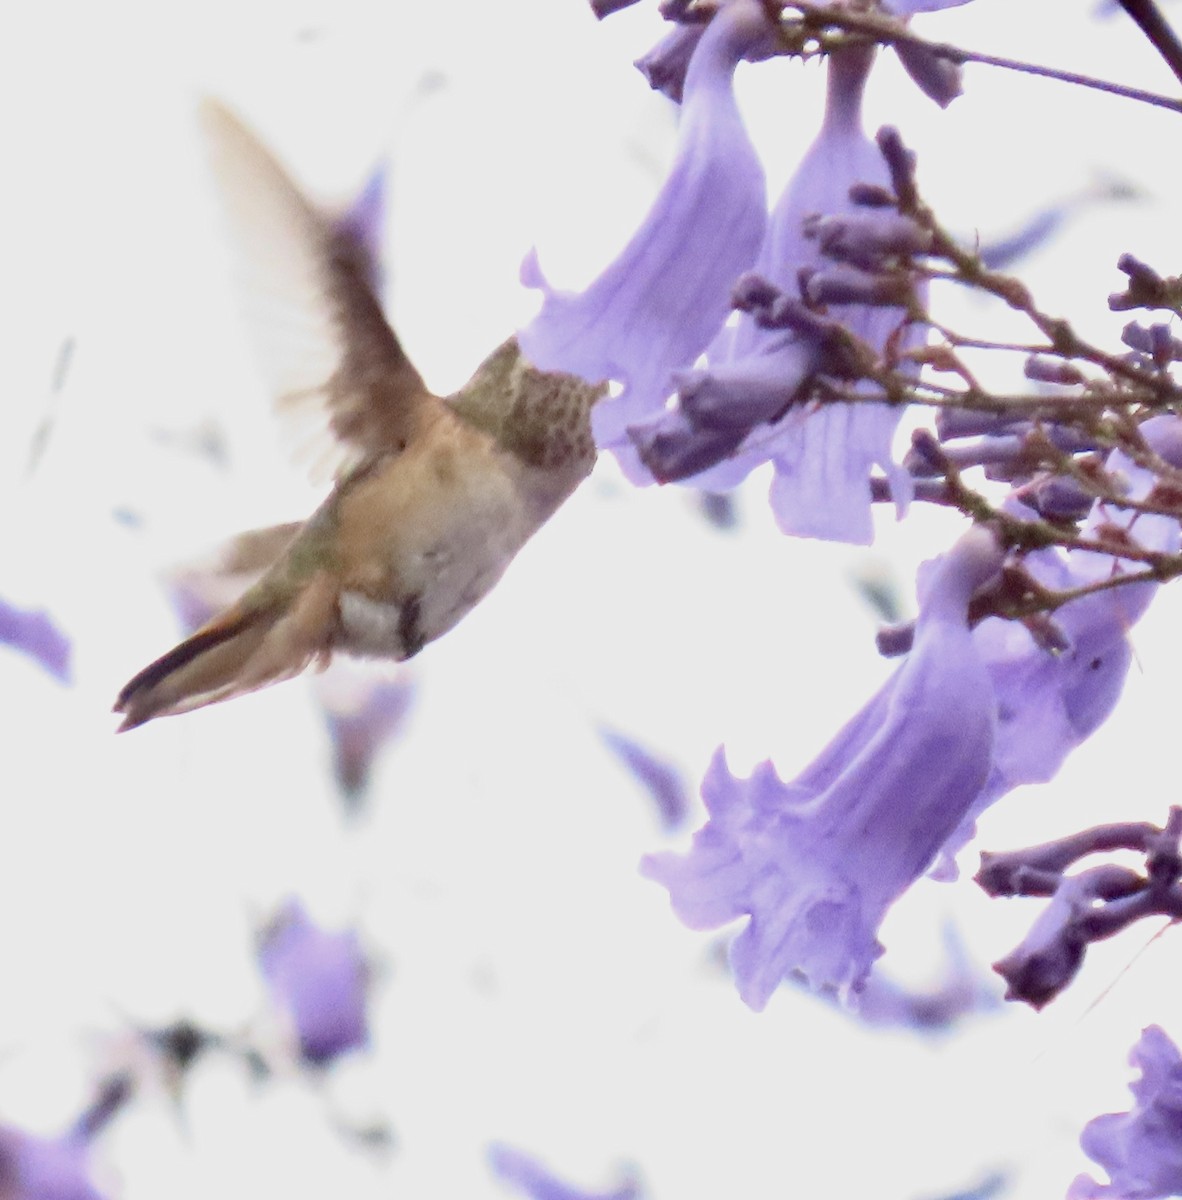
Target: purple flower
33	1168
657	306
530	1177
364	711
37	1168
319	981
1047	704
1142	1149
814	864
823	458
646	319
33	633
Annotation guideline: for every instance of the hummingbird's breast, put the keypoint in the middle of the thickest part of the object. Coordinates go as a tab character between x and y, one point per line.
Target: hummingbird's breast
422	537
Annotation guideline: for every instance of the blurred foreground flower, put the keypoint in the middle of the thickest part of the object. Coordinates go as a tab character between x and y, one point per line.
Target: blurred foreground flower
815	864
34	634
960	990
532	1179
318	979
364	710
35	1168
1142	1149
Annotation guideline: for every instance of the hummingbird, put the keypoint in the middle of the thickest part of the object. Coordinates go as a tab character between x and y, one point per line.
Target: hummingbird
432	497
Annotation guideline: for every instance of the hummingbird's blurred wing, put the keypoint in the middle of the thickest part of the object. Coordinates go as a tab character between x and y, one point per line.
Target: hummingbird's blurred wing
333	362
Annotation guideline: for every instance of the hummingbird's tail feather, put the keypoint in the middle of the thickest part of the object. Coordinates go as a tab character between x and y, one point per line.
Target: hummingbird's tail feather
244	649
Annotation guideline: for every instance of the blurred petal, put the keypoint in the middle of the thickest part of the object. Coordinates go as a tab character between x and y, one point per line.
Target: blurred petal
663	781
364	710
531	1178
999	254
906	8
816	863
34	1168
34	634
319	980
656	307
961	990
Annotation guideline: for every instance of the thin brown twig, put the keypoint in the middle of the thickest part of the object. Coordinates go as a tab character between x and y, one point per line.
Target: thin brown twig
889	31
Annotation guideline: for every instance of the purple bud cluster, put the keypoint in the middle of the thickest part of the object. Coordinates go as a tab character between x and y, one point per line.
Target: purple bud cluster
1088	906
1146	288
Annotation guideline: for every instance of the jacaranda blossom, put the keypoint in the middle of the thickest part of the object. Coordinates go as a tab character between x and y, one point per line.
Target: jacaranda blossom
1141	1150
647	319
822	458
532	1179
814	864
58	1168
33	1168
659	303
1050	702
318	979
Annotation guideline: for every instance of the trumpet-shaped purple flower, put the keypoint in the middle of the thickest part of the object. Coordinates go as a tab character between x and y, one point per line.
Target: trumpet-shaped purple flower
822	458
33	1168
1142	1149
1049	703
319	980
814	864
646	319
656	307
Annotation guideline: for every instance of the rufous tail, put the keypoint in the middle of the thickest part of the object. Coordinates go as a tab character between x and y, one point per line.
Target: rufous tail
243	649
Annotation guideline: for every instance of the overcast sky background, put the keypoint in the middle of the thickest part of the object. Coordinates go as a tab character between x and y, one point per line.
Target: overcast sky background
534	989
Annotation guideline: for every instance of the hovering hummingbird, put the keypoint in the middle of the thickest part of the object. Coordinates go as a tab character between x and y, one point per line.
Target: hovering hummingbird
433	496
